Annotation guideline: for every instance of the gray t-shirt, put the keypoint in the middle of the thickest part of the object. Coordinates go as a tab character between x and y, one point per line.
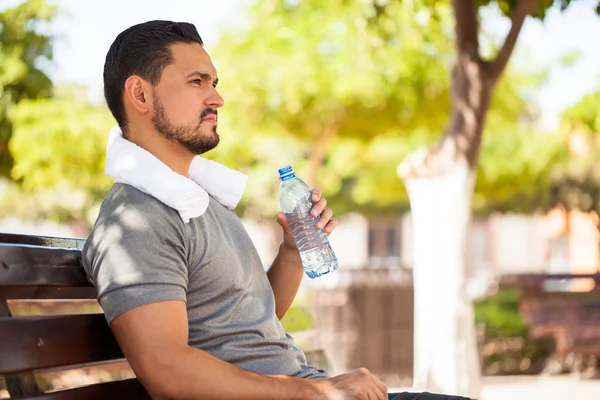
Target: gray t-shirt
141	252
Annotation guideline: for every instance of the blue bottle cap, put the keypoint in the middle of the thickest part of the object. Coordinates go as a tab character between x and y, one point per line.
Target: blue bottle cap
286	172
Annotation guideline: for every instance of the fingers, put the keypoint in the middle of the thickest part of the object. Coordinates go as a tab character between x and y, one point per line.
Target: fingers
360	384
377	390
331	225
326	221
316	195
319	206
381	390
282	220
325	218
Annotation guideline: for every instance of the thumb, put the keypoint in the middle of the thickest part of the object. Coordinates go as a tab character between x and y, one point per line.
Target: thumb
282	220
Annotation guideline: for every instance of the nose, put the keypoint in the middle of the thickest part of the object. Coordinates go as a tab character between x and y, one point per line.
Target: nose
214	100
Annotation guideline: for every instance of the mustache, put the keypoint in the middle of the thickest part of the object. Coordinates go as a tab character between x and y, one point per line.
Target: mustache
206	112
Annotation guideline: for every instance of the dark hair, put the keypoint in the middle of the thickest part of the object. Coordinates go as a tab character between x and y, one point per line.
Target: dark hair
142	50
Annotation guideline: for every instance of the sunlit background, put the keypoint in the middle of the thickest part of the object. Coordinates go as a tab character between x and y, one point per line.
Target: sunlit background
312	84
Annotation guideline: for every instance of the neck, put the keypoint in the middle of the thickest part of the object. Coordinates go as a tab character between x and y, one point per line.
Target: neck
169	152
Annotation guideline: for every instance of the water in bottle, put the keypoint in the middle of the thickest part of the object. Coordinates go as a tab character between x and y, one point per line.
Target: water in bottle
295	199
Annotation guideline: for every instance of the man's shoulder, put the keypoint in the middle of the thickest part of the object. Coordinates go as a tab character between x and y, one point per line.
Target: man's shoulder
133	218
123	198
128	211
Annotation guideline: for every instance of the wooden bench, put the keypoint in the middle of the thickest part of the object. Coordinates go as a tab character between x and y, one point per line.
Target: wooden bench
551	308
43	269
50	268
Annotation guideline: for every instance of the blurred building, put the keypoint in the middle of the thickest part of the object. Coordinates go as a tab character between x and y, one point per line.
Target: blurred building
558	242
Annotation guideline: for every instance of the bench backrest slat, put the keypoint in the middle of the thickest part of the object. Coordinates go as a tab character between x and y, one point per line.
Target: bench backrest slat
33	272
44	241
31	265
47	292
47	342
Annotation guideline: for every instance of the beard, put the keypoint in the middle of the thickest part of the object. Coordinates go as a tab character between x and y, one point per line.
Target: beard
189	136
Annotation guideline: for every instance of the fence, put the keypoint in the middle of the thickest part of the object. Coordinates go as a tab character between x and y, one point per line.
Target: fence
367	321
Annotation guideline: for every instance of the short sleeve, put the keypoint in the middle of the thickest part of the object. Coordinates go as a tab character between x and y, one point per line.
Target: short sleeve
136	255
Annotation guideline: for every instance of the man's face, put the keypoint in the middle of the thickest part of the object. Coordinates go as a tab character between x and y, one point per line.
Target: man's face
186	100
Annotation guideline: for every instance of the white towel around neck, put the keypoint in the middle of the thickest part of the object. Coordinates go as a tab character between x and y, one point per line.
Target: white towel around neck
189	196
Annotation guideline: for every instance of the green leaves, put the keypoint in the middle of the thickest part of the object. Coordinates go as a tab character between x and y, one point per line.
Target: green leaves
59	145
335	77
22	49
508	6
60	139
341	90
375	73
575	183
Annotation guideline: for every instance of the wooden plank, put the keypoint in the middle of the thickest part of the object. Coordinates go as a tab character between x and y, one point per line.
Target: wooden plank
532	283
23	384
28	343
31	265
47	292
129	389
45	241
37	272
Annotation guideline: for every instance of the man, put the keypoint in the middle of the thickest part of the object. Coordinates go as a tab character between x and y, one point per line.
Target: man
183	289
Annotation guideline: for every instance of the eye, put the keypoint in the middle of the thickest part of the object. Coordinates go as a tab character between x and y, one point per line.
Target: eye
197	82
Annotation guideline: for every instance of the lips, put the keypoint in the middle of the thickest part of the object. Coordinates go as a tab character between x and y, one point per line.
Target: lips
209	115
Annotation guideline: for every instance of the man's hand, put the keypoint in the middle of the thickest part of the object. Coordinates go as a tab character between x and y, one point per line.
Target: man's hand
319	210
286	271
359	384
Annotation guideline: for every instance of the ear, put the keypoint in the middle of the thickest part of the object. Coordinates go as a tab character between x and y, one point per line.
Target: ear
138	93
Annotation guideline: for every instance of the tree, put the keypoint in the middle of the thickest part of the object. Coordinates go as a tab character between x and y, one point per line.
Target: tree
59	146
315	78
344	90
285	79
341	90
440	180
22	50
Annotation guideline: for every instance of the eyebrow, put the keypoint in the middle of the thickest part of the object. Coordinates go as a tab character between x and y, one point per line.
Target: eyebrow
205	76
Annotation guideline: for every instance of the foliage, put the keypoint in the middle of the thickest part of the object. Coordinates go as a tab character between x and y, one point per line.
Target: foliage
508	6
516	169
501	315
344	79
340	90
575	183
584	116
59	146
363	82
22	51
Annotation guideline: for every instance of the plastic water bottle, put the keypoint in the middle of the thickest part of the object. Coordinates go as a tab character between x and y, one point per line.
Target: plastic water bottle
295	199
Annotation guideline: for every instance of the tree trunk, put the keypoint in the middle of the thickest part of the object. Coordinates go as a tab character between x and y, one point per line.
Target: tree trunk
440	183
445	355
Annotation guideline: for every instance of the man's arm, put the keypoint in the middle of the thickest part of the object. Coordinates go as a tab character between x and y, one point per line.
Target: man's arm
154	338
286	271
285	276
